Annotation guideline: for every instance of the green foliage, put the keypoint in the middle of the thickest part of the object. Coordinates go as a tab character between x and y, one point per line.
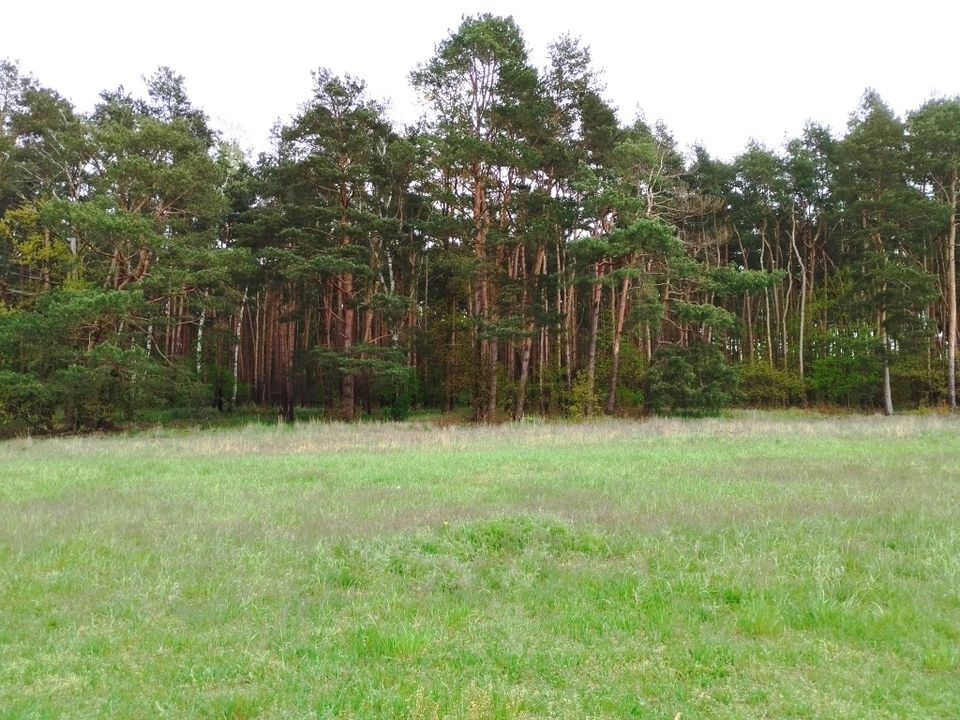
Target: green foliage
580	403
916	383
692	381
32	243
106	386
764	386
519	209
385	370
25	403
646	236
729	280
887	221
631	375
112	385
56	330
54	378
704	314
849	373
404	392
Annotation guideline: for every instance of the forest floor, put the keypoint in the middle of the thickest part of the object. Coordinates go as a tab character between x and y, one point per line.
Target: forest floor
761	566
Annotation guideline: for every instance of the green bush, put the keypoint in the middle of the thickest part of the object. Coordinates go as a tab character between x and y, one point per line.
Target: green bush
405	388
113	384
692	381
52	379
764	386
579	399
851	372
631	372
107	386
25	402
629	399
916	384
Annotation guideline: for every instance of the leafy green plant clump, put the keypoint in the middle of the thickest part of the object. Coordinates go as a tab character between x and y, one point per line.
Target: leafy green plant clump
694	381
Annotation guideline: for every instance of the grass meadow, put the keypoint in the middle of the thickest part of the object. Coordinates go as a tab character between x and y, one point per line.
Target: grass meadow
754	567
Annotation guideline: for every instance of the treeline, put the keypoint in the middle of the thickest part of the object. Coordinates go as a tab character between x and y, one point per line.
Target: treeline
518	251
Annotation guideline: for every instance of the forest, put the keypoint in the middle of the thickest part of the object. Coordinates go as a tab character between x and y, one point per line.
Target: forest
518	251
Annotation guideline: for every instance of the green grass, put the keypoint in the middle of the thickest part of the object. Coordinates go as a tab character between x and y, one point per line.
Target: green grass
754	567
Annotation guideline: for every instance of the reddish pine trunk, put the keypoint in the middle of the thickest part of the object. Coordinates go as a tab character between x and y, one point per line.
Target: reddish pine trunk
621	314
347	313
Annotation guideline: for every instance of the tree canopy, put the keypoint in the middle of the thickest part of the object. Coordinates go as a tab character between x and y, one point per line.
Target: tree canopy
518	250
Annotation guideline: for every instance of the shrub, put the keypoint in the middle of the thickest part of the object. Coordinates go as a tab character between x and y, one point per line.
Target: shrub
579	399
914	383
405	389
692	381
851	372
765	386
25	402
631	372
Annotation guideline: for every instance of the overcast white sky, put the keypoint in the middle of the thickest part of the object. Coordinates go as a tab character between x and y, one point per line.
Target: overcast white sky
717	72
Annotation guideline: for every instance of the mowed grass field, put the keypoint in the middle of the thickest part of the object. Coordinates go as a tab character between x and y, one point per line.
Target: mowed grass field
756	567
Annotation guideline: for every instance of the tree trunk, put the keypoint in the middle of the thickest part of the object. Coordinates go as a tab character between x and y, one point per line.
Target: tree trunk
747	305
368	327
526	346
803	306
766	295
491	405
203	319
525	353
561	310
784	308
952	298
596	295
570	316
887	389
543	350
348	382
621	314
236	350
803	282
257	355
480	304
287	336
45	269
